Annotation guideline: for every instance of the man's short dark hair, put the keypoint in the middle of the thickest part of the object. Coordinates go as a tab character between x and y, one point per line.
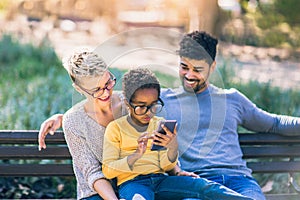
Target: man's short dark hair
198	45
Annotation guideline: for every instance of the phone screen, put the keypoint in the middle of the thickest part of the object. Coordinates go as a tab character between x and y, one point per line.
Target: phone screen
170	124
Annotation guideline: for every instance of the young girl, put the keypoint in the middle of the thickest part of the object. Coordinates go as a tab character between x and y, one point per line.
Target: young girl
127	151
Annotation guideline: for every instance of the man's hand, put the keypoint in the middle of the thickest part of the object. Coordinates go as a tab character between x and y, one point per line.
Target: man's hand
185	173
49	126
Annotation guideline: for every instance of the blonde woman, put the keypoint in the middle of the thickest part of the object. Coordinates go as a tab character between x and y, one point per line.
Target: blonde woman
84	124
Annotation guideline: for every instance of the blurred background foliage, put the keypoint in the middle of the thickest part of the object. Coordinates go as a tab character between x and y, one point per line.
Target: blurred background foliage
34	85
269	23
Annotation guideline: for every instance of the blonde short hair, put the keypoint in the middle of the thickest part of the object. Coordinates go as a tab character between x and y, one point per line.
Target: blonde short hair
84	64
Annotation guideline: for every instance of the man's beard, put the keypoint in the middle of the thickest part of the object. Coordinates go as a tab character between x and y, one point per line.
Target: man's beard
199	86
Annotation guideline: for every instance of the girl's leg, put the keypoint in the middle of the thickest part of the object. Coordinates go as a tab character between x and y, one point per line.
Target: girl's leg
135	191
180	187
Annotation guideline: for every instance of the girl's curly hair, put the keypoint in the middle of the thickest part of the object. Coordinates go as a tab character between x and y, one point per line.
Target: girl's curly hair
139	78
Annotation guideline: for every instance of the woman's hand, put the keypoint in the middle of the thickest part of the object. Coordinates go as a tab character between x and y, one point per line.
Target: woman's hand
49	126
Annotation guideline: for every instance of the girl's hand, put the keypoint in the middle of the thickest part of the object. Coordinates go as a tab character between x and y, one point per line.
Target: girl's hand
168	140
141	148
142	144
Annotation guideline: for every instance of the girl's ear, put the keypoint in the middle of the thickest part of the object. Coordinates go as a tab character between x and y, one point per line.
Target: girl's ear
126	102
127	105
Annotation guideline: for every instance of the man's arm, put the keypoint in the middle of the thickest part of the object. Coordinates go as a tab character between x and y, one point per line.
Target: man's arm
49	126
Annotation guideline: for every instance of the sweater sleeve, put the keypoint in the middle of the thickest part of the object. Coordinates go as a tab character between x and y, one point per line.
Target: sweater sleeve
113	165
256	119
82	156
165	163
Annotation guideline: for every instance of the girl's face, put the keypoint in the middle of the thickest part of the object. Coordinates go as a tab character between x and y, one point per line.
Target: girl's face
97	88
143	100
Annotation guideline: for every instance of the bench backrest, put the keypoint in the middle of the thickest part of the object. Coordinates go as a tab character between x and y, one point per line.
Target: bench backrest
277	154
22	145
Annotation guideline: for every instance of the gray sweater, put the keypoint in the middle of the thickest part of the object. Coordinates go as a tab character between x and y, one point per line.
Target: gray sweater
207	128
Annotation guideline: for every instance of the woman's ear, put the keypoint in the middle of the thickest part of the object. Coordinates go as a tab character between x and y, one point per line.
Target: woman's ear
77	88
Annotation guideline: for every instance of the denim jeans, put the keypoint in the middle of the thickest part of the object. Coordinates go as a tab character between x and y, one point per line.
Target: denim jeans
242	184
160	186
93	197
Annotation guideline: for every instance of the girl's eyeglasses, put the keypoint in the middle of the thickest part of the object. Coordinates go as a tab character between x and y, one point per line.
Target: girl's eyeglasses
154	108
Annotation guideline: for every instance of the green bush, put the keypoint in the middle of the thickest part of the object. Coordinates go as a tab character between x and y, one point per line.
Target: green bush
37	188
271	24
33	86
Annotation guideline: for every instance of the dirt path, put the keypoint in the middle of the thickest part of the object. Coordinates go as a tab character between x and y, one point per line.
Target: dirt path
261	64
247	65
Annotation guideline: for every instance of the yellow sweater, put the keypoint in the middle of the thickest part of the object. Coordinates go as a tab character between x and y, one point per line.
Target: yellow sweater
120	141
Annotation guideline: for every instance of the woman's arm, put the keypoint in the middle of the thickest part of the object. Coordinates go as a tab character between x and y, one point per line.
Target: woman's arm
85	160
49	126
104	188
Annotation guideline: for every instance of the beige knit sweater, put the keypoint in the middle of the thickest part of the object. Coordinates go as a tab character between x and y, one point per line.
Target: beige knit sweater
84	137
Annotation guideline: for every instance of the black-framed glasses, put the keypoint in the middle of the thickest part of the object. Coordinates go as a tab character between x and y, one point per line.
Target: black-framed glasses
154	108
98	92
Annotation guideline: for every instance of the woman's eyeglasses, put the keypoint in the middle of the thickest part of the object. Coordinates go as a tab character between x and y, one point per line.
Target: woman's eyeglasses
99	91
154	108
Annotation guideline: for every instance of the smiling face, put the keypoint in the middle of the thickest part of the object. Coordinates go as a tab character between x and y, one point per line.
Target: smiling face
194	74
97	88
146	97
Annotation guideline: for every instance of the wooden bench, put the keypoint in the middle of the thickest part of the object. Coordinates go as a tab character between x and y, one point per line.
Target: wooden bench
265	153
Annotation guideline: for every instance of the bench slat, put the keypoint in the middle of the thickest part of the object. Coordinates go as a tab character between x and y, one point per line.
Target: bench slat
271	151
31	152
274	167
267	138
293	196
29	137
19	170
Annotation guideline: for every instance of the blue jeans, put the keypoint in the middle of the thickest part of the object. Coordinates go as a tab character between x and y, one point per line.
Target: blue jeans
160	186
242	184
93	197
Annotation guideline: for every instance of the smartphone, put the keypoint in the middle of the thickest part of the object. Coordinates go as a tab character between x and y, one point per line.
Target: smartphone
170	124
